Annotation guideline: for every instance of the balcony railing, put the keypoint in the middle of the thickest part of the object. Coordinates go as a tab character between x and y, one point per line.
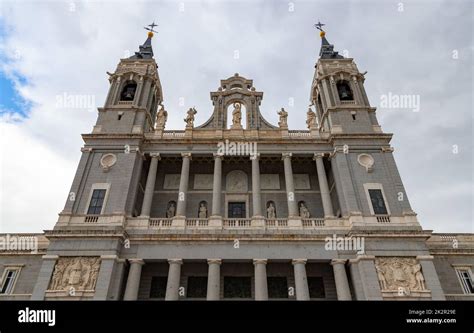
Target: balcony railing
313	223
383	218
91	218
196	223
299	133
276	223
174	134
236	223
160	222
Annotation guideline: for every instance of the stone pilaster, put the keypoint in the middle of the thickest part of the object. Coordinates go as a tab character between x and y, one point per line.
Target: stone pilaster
217	186
44	276
256	195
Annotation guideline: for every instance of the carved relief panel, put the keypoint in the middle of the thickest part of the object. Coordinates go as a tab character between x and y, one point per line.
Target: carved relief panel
395	274
79	273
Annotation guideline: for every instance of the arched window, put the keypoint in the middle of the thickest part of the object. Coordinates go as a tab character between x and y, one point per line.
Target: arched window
128	91
344	91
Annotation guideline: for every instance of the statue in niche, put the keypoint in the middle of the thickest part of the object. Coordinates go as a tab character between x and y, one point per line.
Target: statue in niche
310	118
237	115
420	280
171	211
202	214
283	122
161	117
271	211
190	117
304	212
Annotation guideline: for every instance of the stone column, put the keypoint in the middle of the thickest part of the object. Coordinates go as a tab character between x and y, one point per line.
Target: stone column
183	185
340	278
261	288
256	196
217	186
214	279
150	185
133	280
323	186
301	281
174	276
44	277
290	187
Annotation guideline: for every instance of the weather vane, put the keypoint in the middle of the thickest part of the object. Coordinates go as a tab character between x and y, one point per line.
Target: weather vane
319	26
151	26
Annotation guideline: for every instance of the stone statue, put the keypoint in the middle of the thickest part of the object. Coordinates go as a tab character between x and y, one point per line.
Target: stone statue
420	280
271	213
190	117
304	212
202	211
381	277
237	116
162	117
310	118
78	272
171	210
399	273
283	122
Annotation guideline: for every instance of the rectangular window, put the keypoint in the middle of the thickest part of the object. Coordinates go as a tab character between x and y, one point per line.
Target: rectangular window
197	287
378	202
97	201
9	278
158	286
316	287
465	276
237	287
277	287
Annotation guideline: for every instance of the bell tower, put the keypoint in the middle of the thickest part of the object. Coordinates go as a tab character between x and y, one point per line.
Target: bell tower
134	94
338	94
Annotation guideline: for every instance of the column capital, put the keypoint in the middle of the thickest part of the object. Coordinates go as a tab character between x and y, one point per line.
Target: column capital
260	261
286	155
318	155
155	155
214	261
186	155
255	156
175	261
338	261
218	155
299	261
136	261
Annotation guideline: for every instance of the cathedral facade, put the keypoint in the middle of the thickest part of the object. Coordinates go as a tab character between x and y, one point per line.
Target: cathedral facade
237	207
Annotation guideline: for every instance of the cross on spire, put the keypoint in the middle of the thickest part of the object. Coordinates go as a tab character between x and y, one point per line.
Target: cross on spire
151	26
319	26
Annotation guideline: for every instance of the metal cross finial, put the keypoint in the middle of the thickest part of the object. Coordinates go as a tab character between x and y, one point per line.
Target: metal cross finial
319	26
151	27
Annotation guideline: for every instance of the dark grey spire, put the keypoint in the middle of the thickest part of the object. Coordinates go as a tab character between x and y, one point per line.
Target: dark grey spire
146	51
327	50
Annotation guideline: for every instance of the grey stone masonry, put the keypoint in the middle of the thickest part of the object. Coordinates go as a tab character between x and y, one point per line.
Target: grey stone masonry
214	279
340	277
133	281
301	280
261	288
44	277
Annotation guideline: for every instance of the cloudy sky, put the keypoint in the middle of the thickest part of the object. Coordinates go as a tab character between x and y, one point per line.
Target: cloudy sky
52	48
